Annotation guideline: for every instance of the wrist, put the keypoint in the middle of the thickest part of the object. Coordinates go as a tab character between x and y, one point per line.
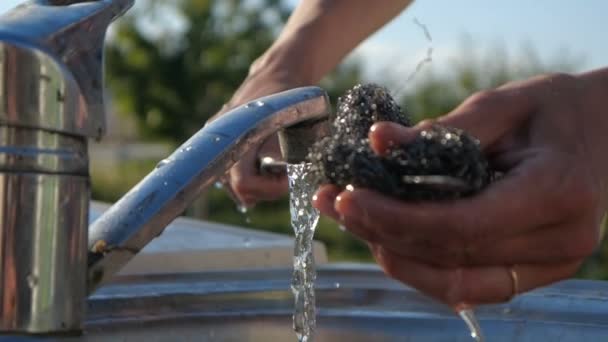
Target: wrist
286	64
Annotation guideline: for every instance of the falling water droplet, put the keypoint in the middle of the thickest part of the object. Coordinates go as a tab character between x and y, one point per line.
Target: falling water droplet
219	185
243	209
468	316
337	285
217	139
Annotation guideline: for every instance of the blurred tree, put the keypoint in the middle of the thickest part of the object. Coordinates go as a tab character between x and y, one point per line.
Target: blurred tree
173	65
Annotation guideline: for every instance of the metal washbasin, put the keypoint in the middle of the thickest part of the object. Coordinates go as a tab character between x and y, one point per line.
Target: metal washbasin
355	303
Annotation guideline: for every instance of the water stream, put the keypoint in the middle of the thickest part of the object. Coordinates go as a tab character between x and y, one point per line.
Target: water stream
304	219
468	316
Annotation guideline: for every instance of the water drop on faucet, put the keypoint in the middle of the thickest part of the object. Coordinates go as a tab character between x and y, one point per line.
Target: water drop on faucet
163	163
255	104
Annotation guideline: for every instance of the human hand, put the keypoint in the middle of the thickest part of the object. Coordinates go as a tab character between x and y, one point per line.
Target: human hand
246	183
542	218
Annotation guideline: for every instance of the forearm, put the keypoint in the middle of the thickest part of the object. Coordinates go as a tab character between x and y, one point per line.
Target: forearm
320	33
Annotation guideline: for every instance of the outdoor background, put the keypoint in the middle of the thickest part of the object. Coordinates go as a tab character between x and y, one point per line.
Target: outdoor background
172	64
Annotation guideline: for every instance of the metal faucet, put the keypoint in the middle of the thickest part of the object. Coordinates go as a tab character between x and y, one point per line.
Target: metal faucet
51	102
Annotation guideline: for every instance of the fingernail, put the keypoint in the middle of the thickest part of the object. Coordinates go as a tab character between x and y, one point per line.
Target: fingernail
343	208
337	205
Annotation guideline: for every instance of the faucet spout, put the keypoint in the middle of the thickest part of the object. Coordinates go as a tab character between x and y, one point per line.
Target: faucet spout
144	212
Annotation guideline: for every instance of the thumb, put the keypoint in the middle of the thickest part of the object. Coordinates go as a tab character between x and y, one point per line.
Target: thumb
490	115
383	136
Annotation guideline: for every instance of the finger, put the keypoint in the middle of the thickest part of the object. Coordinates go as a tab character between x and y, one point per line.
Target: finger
496	212
490	115
553	244
250	187
478	285
384	136
324	200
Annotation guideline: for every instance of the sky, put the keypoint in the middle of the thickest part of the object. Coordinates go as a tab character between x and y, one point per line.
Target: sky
554	28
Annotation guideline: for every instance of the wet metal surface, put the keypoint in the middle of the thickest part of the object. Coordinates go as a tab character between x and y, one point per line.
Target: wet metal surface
42	251
356	303
51	101
65	38
143	213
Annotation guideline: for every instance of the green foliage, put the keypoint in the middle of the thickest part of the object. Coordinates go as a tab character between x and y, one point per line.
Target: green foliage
173	80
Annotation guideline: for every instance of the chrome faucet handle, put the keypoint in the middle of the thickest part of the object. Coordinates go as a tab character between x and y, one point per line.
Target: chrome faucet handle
51	102
271	166
71	33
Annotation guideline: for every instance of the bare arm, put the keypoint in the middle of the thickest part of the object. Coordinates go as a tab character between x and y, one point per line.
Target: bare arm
316	38
320	33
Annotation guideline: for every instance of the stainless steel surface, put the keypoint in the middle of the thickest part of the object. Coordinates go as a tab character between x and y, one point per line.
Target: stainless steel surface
439	182
356	303
51	99
271	166
31	150
297	140
52	61
37	91
160	197
42	251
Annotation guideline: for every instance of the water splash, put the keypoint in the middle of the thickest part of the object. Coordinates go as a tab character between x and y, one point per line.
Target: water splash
468	316
304	219
426	60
